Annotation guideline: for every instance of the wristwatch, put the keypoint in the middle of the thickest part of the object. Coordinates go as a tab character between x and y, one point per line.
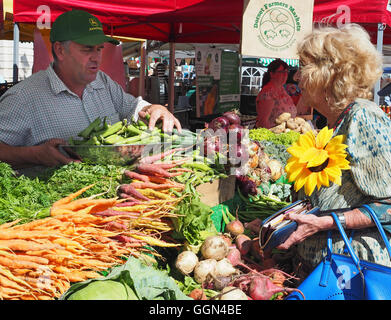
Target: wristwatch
341	218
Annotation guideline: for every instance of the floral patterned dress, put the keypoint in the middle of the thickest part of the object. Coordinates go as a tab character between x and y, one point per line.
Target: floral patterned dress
368	136
271	102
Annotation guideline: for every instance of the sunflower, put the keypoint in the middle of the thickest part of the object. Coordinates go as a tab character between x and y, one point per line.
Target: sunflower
315	161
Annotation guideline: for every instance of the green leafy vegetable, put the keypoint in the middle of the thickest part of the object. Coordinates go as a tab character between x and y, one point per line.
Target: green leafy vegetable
194	223
147	282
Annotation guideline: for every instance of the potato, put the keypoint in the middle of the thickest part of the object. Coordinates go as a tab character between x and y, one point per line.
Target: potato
306	127
291	124
283	117
278	129
299	120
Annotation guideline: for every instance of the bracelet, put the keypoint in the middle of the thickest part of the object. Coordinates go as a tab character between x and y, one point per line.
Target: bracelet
341	218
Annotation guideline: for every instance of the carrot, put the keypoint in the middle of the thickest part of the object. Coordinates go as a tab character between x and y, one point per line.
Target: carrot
72	196
155	186
156	157
13	263
135	175
24	245
130	190
152	169
23	257
12	234
150	192
155	242
111	212
129	203
9	224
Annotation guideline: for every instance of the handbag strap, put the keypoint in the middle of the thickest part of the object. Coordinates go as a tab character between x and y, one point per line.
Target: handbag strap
353	255
379	226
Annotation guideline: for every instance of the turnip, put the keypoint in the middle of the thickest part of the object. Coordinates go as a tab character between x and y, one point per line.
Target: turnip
262	288
186	262
214	247
224	268
232	293
204	270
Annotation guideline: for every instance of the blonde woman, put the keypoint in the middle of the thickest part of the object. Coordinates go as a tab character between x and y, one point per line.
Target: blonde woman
339	68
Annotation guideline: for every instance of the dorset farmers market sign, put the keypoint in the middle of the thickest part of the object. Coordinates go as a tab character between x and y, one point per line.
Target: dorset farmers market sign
273	28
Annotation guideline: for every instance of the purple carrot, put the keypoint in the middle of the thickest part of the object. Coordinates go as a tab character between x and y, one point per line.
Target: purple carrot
130	190
156	157
135	175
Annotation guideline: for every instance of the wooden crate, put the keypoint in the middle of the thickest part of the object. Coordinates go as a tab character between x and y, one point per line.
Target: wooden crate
217	191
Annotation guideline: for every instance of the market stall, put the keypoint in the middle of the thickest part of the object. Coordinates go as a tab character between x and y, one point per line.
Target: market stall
157	215
114	215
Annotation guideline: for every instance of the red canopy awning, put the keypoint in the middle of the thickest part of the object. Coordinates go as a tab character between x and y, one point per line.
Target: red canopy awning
364	12
199	21
170	21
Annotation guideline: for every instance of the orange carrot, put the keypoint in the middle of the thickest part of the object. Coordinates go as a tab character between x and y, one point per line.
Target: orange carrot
72	196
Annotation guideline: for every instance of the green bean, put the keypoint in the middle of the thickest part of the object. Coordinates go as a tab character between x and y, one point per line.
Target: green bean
87	131
112	129
133	130
197	165
114	139
141	124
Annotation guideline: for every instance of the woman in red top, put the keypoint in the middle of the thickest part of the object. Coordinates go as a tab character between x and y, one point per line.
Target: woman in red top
273	99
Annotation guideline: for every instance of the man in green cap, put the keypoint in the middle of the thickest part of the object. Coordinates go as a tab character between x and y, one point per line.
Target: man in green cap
45	110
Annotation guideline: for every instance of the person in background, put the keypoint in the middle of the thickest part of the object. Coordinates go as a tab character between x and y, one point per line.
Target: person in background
43	111
339	68
273	99
291	86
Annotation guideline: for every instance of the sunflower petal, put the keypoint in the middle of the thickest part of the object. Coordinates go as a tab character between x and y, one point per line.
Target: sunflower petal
310	184
293	169
323	137
307	140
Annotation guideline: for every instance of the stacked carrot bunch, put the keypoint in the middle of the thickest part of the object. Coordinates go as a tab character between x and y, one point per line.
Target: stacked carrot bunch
152	178
40	259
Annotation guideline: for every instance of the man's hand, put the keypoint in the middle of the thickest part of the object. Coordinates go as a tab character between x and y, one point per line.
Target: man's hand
157	112
49	155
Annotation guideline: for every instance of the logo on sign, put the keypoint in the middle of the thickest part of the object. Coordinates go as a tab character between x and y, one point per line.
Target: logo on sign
277	24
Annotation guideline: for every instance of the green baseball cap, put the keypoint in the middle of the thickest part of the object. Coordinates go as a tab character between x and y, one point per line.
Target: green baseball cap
81	27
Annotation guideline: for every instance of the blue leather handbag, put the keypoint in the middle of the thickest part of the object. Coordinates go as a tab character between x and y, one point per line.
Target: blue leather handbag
346	277
275	229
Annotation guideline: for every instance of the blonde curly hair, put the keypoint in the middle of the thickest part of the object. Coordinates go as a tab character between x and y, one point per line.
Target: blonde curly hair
340	64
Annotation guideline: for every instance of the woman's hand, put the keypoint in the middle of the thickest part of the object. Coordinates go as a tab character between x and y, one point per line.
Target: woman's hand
157	112
307	225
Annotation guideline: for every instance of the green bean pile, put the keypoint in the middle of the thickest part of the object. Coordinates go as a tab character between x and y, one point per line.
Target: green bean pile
100	132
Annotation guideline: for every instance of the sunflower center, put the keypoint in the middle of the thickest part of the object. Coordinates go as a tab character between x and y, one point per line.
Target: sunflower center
320	167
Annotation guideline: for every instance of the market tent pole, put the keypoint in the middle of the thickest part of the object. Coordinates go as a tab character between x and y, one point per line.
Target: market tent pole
141	84
16	53
171	92
379	44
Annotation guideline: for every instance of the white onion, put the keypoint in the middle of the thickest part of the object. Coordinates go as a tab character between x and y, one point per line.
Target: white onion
233	293
214	247
224	268
186	262
204	270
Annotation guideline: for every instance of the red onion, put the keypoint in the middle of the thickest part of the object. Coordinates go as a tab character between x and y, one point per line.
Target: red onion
235	129
232	117
219	123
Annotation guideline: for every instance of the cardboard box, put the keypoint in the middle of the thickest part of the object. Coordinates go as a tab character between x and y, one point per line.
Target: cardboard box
217	191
